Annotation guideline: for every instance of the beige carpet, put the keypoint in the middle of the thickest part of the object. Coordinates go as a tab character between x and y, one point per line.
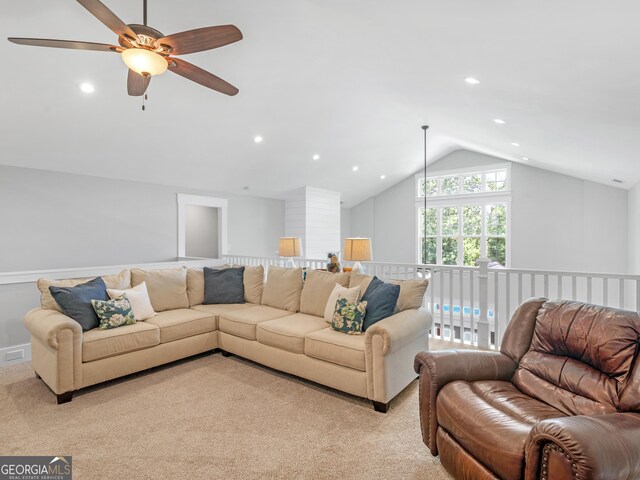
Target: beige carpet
213	417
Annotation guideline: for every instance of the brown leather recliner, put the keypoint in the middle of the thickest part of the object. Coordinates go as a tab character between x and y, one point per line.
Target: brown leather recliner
561	400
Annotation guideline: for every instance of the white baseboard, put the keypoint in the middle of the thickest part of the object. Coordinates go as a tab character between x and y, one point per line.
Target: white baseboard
22	352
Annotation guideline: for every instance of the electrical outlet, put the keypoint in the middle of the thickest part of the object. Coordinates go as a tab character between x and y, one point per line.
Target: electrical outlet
14	355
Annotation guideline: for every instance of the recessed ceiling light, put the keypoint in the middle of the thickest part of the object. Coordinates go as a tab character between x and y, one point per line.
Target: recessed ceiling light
382	177
526	159
316	157
472	81
499	121
258	139
515	144
355	169
86	87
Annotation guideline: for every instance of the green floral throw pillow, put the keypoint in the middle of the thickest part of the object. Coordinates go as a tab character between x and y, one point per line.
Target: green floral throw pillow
349	317
114	313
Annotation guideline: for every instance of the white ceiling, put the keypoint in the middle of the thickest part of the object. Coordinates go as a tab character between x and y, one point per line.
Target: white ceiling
349	80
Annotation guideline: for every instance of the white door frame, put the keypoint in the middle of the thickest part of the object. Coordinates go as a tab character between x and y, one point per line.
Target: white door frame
184	201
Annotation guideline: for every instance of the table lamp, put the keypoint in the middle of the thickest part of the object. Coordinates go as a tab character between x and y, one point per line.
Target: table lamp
357	250
290	247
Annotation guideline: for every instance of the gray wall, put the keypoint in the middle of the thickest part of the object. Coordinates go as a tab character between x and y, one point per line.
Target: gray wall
201	231
557	222
633	223
56	220
59	220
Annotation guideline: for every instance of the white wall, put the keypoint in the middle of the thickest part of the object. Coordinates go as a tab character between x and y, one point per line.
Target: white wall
201	231
557	221
633	223
59	220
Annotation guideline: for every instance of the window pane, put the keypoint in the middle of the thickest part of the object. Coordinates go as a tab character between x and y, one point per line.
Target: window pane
449	250
430	187
471	246
431	218
496	181
450	185
472	219
429	250
496	219
496	250
472	183
450	219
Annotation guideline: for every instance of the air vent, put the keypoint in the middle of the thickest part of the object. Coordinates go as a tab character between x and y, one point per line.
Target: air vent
617	180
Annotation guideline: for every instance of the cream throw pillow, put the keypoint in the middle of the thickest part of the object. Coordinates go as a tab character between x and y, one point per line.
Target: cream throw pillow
282	288
122	280
350	294
138	297
411	293
167	287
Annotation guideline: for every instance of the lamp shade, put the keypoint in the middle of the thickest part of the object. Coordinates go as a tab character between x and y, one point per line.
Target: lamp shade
290	247
357	249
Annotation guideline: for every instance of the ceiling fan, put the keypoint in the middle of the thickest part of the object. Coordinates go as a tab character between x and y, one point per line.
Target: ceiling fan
147	52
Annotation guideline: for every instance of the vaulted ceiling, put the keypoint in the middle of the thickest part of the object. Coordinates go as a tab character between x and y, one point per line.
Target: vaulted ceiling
351	81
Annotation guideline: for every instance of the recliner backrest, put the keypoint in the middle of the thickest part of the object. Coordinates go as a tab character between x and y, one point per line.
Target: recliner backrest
580	358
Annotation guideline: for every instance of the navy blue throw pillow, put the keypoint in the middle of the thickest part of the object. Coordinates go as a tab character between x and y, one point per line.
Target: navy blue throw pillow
75	302
381	299
223	286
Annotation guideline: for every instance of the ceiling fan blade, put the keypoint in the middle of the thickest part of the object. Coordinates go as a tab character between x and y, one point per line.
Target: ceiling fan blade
106	16
198	75
201	39
45	42
137	84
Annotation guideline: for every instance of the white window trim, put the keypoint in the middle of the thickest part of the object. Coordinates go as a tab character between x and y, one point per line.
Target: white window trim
184	201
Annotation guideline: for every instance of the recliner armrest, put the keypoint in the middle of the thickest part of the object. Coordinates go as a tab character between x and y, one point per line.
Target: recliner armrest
400	329
438	368
46	324
595	447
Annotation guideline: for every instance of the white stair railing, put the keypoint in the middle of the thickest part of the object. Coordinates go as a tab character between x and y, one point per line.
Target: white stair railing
475	304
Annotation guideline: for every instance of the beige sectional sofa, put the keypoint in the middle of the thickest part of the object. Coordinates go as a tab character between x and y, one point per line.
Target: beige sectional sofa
281	325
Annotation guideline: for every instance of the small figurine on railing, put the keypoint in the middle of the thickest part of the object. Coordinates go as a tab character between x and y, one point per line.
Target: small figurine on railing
333	265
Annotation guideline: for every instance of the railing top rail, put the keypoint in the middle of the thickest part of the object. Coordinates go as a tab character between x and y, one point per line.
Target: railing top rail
526	271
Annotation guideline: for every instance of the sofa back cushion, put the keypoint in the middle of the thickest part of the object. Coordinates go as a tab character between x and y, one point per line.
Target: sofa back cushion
580	357
253	280
119	281
283	288
357	279
167	287
317	289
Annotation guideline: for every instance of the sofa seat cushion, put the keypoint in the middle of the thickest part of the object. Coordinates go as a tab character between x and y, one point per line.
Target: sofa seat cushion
219	309
98	344
336	347
182	323
289	333
242	323
491	420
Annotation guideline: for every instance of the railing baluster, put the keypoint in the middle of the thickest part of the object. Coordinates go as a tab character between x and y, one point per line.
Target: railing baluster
451	302
532	288
574	287
461	304
519	288
507	298
589	288
472	323
432	287
559	290
442	301
621	293
496	308
605	291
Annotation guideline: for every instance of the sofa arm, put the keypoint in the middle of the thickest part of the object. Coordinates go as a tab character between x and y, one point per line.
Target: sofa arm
438	368
45	325
589	447
400	329
56	349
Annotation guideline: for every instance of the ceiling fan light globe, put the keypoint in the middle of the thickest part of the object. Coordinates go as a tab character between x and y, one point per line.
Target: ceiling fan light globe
145	62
